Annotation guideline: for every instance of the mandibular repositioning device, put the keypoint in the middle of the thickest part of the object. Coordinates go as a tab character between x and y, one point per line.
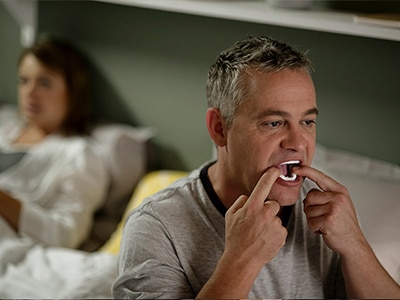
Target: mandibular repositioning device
287	170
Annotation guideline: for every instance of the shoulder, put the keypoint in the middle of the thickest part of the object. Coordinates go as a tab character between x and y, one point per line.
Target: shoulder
178	194
8	112
173	201
10	123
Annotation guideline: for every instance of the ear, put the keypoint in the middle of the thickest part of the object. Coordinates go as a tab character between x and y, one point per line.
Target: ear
216	126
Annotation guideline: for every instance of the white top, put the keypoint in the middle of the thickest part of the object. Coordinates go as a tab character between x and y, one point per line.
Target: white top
60	182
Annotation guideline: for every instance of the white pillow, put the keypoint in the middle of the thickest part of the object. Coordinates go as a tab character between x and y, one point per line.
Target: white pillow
374	186
124	149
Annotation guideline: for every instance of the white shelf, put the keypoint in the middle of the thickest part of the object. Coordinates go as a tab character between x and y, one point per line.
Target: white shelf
260	12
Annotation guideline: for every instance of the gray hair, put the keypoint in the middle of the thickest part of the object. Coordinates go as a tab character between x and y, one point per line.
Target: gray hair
227	86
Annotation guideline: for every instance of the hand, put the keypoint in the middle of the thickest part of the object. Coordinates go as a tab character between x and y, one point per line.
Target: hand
254	235
330	212
254	232
10	209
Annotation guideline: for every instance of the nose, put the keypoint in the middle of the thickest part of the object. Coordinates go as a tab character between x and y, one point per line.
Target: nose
28	90
31	90
294	139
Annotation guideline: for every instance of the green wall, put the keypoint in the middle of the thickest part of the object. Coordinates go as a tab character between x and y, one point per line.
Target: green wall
150	68
10	47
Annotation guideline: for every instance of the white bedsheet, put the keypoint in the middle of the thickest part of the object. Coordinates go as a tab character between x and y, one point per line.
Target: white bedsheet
60	273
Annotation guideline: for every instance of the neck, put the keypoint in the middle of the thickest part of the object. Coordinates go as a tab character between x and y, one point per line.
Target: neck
221	185
30	135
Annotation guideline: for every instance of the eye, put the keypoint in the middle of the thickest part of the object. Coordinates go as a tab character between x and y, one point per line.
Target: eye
22	80
44	82
309	122
274	124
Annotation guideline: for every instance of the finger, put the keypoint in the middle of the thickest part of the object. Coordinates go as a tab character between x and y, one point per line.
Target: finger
263	187
313	211
317	197
316	225
324	182
273	207
238	204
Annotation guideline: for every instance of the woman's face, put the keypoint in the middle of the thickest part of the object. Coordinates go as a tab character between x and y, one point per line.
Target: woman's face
43	95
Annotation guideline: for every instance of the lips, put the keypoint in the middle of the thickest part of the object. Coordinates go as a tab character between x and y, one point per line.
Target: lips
32	109
286	170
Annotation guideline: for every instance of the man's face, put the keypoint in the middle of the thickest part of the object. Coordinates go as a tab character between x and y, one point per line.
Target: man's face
275	126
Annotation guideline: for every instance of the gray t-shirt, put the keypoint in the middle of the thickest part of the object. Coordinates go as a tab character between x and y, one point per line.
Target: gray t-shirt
171	245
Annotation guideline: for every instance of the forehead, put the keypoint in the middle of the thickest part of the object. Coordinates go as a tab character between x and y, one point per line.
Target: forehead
286	90
31	64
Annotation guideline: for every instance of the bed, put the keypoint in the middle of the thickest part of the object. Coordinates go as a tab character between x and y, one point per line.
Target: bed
60	273
76	274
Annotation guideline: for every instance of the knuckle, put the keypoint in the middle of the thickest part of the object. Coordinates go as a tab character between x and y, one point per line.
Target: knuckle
284	232
314	192
335	209
341	198
330	221
277	222
311	196
312	225
342	189
283	236
272	206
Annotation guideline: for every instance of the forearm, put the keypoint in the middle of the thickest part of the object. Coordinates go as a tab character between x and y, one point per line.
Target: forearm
366	278
10	209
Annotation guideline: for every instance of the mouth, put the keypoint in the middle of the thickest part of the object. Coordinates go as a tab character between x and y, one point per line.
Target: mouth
32	109
286	169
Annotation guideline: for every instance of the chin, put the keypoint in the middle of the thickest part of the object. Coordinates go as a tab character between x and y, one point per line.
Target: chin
285	196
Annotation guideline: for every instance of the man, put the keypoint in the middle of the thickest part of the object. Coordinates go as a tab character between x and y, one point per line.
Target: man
259	222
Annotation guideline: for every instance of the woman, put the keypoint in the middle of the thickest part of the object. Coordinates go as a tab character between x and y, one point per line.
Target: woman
51	180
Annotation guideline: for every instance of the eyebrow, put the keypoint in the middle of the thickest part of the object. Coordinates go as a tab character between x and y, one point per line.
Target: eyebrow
312	111
272	112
